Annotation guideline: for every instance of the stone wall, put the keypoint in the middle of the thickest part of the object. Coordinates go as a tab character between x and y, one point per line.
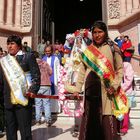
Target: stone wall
123	17
16	17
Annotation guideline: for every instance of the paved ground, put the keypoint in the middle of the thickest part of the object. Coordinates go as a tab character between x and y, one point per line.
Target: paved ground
133	133
63	127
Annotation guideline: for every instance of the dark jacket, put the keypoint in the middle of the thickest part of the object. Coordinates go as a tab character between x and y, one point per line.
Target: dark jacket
28	64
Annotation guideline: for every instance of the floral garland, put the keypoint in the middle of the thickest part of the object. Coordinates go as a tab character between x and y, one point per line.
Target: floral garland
85	33
76	41
62	99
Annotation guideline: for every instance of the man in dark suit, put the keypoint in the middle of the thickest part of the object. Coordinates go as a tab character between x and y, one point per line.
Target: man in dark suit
18	108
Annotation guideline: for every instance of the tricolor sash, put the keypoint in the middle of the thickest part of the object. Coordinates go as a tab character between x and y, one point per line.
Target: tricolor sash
16	79
99	64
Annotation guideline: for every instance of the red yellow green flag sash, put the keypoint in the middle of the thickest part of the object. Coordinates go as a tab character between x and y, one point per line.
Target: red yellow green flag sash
99	64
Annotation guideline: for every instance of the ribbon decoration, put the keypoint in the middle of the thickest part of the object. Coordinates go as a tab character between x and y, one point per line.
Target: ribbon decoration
63	102
63	96
67	96
68	74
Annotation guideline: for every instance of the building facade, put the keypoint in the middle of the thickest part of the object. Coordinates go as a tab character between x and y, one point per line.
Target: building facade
123	17
25	18
16	17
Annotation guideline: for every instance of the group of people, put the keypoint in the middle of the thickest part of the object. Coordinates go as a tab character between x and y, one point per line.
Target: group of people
98	120
97	60
126	47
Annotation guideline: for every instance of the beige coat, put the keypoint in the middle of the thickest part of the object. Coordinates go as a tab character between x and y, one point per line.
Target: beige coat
117	64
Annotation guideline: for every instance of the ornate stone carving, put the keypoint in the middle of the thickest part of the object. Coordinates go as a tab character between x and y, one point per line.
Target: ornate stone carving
26	13
114	9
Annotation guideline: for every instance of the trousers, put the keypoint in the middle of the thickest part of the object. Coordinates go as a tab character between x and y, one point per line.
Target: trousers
43	104
18	118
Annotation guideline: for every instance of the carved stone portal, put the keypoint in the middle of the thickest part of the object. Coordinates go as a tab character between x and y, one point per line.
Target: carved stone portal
26	13
114	9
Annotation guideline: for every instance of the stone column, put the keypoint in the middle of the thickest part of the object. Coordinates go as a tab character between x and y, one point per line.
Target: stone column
104	11
9	12
139	33
41	22
123	8
1	11
53	31
136	4
18	13
129	6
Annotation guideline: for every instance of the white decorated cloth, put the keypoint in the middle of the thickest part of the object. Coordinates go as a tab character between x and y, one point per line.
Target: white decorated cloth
16	79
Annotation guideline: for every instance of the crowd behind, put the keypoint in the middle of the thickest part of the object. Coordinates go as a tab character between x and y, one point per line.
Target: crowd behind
50	57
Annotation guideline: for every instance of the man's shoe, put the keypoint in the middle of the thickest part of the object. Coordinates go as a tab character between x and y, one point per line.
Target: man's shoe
2	133
122	133
75	134
38	123
48	123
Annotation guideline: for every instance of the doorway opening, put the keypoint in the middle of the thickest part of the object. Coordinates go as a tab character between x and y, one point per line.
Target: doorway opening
71	15
75	15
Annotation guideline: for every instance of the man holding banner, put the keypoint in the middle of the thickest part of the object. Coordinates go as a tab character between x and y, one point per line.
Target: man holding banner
14	70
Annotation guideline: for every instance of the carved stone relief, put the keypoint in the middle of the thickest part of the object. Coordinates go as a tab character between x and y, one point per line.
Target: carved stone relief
114	9
26	13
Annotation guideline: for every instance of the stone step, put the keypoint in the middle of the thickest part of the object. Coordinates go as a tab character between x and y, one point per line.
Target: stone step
135	121
137	106
137	97
135	112
63	118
